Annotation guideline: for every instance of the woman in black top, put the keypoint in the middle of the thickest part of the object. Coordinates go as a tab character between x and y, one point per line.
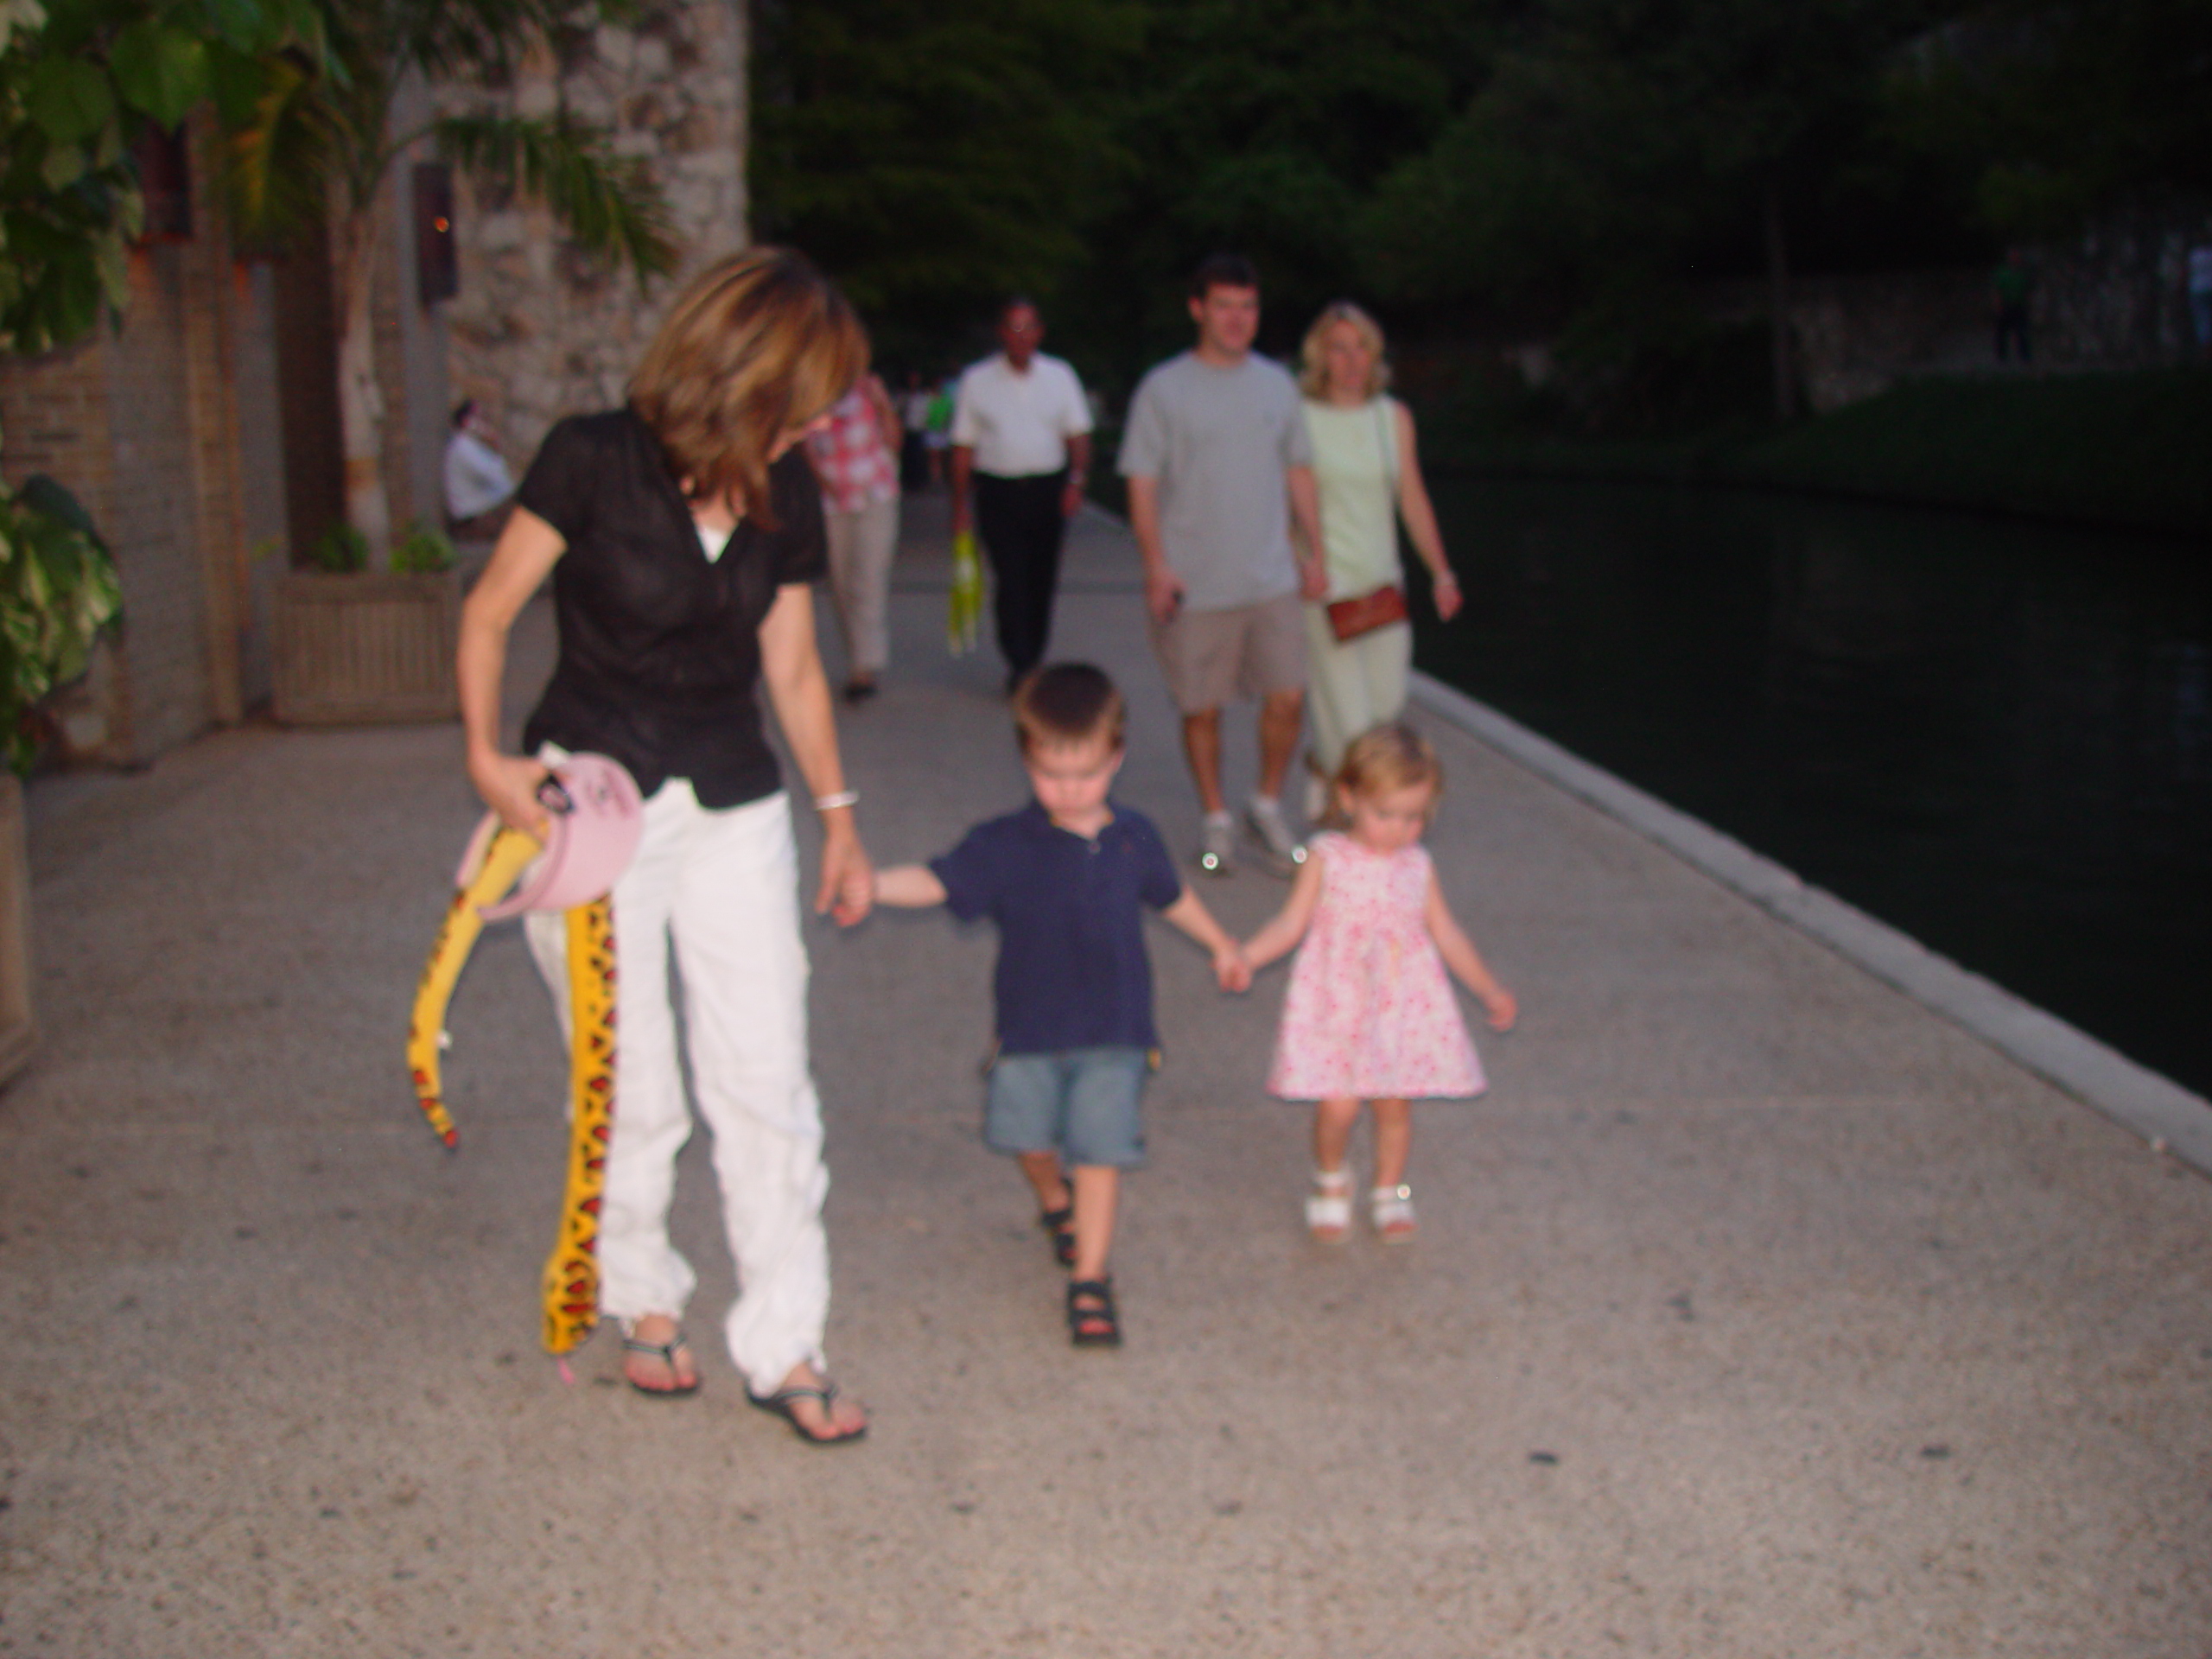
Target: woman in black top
681	533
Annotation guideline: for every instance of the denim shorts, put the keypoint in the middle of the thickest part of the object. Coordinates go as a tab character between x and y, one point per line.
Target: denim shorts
1080	1102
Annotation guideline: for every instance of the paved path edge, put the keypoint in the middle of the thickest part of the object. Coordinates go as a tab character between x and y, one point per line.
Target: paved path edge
2171	1118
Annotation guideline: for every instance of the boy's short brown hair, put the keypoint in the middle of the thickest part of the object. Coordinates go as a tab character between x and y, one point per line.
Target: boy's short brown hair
1068	702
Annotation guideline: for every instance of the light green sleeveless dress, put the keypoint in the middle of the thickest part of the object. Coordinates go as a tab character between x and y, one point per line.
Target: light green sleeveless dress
1360	684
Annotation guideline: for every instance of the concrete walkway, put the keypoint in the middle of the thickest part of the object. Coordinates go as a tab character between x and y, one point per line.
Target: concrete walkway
1755	1311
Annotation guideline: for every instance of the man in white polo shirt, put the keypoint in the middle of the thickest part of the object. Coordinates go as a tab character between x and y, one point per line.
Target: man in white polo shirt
1021	439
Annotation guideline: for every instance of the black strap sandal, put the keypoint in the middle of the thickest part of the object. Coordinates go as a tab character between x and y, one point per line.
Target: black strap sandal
1092	1321
1060	1224
667	1352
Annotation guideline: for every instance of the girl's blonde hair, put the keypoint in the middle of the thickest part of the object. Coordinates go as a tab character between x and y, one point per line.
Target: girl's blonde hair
756	345
1389	756
1313	376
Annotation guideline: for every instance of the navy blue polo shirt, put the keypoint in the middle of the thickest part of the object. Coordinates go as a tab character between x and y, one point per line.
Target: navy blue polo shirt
1072	970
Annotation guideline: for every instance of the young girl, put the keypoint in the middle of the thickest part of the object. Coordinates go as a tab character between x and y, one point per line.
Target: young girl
1370	1015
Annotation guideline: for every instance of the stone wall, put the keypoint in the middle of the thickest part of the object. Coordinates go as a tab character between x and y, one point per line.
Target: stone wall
2117	296
1857	336
539	329
142	423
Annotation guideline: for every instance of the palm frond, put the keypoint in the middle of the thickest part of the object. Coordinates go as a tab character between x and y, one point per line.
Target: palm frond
276	169
607	202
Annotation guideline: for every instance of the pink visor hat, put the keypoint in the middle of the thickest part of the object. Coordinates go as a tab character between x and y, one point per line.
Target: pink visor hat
594	819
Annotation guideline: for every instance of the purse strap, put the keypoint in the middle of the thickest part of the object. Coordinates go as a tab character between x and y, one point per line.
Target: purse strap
1386	435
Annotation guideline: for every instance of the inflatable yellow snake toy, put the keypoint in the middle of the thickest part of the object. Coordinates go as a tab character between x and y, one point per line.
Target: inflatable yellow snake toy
571	1278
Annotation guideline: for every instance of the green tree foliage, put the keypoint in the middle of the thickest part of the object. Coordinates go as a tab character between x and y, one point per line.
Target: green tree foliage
934	156
78	85
306	132
2055	114
57	591
1263	127
937	156
1547	165
1617	138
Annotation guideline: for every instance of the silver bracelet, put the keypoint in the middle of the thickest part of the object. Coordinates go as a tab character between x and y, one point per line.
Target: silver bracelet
831	803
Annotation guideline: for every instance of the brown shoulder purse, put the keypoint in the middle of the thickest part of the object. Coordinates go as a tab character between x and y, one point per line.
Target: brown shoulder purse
1365	613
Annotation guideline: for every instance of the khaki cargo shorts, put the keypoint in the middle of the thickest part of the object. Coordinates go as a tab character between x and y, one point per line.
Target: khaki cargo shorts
1212	658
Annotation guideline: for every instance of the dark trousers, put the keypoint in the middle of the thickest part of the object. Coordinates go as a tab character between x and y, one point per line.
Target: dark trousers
1018	519
2013	326
914	463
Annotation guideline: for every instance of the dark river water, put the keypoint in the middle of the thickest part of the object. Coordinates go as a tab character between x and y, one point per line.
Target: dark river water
1993	734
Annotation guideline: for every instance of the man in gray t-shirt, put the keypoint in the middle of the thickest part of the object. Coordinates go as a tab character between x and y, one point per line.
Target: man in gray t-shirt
1218	466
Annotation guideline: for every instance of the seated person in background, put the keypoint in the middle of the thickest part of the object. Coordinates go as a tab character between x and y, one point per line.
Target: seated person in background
479	490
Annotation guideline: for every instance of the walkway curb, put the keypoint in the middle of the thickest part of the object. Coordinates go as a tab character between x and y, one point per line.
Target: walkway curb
2169	1117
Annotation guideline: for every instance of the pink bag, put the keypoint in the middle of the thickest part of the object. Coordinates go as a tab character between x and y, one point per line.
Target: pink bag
594	819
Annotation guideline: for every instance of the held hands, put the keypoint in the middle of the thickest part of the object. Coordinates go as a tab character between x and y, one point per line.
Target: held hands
509	784
1071	496
1232	970
1312	579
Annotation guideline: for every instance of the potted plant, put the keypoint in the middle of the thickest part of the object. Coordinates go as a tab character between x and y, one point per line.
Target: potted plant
357	646
57	591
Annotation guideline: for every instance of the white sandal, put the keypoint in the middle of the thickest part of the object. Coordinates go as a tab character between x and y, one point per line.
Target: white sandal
1391	1209
1328	1207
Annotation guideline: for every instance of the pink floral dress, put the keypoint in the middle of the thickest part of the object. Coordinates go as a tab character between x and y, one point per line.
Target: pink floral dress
1369	1013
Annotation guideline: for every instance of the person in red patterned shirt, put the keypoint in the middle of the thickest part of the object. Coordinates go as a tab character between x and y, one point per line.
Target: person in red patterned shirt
856	458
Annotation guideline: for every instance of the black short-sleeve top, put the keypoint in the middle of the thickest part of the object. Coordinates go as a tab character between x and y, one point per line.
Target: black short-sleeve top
660	648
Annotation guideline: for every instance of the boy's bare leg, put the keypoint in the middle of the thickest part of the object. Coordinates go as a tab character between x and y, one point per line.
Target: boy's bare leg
1097	1191
1043	1169
1394	1140
1202	748
1282	717
1332	1121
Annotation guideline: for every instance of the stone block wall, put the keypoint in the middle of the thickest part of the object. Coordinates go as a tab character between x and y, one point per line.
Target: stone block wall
539	329
142	423
2117	296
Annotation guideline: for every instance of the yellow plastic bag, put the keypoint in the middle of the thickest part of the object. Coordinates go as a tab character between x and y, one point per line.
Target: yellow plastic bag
966	608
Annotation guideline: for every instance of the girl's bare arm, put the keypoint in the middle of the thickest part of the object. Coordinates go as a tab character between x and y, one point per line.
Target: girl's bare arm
909	886
1461	957
1281	935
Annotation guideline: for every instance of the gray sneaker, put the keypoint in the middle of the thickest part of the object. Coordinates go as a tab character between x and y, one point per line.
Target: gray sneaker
1218	845
1279	850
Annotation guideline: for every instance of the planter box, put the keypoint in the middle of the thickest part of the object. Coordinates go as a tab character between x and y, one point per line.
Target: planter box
364	649
17	1033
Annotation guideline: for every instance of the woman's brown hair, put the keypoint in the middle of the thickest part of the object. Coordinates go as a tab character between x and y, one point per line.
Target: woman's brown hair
757	344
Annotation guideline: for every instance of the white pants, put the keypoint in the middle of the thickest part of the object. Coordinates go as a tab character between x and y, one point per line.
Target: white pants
1353	686
861	546
724	886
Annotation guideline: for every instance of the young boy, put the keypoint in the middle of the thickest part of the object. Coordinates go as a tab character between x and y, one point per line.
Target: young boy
1064	879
